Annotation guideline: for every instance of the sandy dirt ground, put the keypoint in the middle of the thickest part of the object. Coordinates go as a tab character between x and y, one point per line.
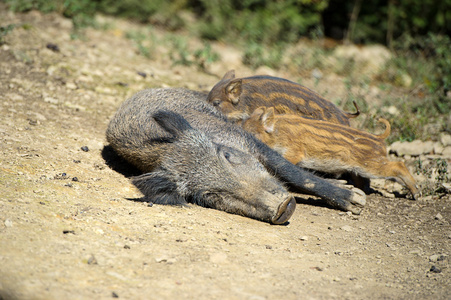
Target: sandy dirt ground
69	228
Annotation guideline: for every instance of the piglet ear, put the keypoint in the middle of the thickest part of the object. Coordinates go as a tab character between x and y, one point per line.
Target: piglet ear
269	120
229	75
233	90
258	112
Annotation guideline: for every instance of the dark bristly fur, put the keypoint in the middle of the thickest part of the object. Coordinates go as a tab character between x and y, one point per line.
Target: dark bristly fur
158	189
191	153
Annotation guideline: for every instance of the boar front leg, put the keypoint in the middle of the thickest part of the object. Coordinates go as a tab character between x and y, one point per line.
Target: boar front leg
303	181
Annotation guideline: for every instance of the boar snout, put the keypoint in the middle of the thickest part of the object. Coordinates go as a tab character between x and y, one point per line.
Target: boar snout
285	211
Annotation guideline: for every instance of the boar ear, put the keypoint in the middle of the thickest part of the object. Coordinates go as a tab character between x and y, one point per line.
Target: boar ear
268	120
173	123
233	91
158	189
229	75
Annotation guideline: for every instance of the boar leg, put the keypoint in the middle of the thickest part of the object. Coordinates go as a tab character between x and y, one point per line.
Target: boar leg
157	189
301	180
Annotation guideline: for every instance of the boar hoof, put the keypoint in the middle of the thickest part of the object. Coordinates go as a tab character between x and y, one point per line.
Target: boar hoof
358	197
285	211
355	202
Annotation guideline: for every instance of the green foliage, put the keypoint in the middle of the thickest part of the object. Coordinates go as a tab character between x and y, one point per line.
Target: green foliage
160	12
405	125
4	31
138	10
426	62
205	56
265	21
429	58
437	172
256	21
358	98
45	6
142	43
308	58
81	12
382	21
182	54
256	55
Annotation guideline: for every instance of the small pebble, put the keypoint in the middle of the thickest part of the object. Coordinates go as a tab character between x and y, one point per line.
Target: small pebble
346	228
85	148
114	295
439	217
33	122
142	74
53	47
437	257
8	223
165	260
92	260
75	179
71	85
434	269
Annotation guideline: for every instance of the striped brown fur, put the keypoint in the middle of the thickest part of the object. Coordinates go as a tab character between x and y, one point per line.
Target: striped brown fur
239	97
328	147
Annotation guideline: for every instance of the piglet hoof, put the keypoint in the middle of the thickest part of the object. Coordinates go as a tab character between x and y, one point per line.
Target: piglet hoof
416	196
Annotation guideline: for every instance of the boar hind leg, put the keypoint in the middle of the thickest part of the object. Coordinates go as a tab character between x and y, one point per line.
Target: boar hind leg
303	181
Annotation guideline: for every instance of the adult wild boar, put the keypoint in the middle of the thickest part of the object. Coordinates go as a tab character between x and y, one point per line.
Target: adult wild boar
190	153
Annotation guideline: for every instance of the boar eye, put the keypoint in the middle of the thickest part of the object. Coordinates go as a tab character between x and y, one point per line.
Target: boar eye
230	155
227	155
216	102
232	158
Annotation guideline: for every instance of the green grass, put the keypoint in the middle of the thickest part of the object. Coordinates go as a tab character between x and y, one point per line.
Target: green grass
437	172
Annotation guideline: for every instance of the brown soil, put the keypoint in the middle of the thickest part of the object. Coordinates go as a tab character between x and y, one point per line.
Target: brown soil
68	229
